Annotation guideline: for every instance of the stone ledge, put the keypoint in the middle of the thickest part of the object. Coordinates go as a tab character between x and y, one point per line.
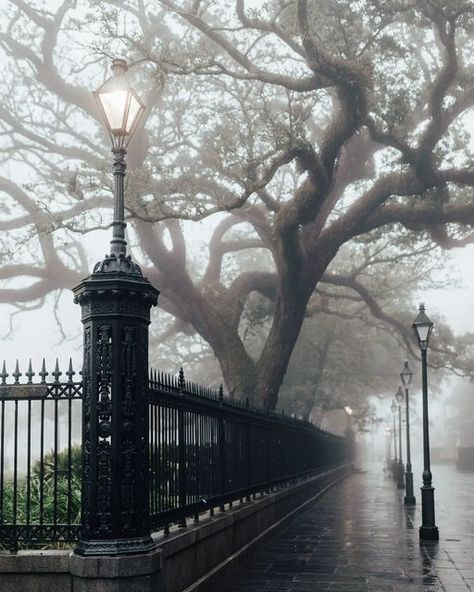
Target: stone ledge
126	566
47	561
210	526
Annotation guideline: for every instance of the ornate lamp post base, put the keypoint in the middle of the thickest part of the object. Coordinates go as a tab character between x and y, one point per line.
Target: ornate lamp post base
400	476
394	469
115	302
429	533
410	499
428	530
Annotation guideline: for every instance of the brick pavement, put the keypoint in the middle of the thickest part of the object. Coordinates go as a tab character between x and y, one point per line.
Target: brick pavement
360	538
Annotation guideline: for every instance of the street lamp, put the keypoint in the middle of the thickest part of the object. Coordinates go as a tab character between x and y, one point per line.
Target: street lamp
116	301
422	327
406	375
349	431
388	447
400	480
393	409
121	109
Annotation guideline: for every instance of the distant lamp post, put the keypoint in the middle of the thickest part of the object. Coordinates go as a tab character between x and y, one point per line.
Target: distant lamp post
400	476
350	432
393	409
406	375
422	327
121	109
388	447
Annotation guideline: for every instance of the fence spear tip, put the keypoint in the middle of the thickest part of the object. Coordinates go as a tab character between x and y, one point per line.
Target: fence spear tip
16	375
4	375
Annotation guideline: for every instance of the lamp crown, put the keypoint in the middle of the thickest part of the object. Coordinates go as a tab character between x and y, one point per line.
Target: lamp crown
119	66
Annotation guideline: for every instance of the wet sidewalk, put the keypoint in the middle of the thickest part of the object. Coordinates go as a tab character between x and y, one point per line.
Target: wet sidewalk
359	538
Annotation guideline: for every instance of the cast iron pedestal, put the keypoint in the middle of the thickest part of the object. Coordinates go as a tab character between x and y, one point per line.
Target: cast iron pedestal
115	301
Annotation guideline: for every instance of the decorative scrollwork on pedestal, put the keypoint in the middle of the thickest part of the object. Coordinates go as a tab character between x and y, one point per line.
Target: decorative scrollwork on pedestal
86	441
104	487
104	403
129	371
104	416
128	513
116	312
143	419
128	409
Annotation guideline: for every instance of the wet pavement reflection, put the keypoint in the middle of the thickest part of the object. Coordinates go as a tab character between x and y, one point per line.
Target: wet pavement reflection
361	538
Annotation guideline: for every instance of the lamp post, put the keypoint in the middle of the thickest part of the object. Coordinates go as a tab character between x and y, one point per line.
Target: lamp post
349	432
422	327
393	409
115	301
122	110
406	375
388	447
400	479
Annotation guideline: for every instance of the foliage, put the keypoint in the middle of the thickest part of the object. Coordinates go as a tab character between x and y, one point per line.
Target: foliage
40	493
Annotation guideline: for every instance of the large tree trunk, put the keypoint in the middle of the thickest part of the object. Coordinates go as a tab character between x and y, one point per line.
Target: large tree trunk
276	354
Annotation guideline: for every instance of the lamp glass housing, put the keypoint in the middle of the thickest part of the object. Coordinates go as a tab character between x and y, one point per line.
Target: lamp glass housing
406	374
399	395
393	407
422	327
120	105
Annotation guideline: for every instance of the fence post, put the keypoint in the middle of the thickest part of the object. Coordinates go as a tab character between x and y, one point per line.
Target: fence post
181	453
249	456
115	302
222	459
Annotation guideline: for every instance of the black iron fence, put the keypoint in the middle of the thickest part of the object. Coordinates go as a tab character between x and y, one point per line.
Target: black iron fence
40	457
205	451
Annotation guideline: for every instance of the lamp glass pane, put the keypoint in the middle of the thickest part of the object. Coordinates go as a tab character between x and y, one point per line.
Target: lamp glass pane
423	332
406	375
133	112
114	104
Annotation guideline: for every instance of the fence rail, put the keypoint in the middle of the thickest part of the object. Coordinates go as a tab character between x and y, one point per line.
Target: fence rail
205	451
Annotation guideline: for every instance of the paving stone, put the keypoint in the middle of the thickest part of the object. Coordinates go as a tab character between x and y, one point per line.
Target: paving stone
361	538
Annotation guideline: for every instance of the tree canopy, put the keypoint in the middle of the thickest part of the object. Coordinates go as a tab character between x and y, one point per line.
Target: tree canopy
319	136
